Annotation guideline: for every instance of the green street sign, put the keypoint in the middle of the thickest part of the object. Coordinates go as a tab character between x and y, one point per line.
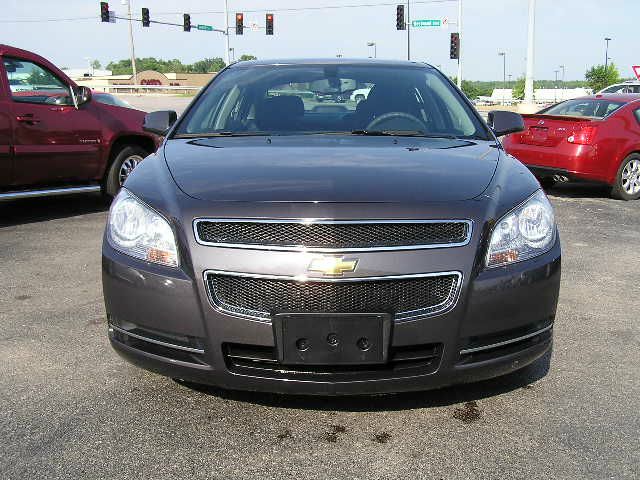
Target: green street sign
427	23
207	28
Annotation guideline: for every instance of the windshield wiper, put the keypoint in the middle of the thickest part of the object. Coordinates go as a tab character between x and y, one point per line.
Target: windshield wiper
389	133
224	133
405	133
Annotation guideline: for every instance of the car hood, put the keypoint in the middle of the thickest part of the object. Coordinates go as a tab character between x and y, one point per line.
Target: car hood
331	168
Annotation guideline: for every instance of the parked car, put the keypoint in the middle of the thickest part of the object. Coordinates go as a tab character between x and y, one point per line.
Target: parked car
630	86
386	247
595	138
57	138
360	94
336	97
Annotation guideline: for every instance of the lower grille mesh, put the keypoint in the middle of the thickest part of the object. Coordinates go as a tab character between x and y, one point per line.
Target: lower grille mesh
262	297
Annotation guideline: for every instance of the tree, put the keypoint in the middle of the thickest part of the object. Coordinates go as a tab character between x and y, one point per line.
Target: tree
96	65
247	57
518	89
207	65
599	76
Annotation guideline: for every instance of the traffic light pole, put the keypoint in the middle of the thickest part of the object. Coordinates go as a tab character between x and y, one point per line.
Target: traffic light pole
227	50
133	51
408	31
461	43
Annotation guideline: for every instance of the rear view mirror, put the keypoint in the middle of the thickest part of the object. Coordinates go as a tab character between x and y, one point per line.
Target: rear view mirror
503	122
159	122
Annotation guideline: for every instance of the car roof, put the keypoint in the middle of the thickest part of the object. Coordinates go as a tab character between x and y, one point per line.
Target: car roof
15	51
329	61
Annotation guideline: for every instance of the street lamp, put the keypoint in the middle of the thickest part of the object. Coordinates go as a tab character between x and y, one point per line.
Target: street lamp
562	67
555	91
375	48
606	53
504	73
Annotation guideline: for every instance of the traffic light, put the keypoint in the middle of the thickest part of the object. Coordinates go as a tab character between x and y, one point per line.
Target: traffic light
269	26
454	52
146	19
186	22
104	12
239	23
400	23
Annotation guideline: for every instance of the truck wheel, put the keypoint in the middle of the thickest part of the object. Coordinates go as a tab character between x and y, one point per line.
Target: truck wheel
126	160
627	183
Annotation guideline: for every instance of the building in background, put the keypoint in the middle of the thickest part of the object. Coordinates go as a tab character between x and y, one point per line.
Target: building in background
146	78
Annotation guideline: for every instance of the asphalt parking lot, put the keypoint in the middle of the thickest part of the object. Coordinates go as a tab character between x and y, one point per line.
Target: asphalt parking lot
73	409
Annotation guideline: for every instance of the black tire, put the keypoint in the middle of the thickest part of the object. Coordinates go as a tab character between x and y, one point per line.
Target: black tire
618	188
112	182
359	98
547	182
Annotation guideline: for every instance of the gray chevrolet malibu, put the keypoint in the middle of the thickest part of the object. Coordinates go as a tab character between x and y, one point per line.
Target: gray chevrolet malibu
281	243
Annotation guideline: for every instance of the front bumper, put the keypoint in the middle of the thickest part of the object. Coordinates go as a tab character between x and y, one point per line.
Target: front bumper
161	320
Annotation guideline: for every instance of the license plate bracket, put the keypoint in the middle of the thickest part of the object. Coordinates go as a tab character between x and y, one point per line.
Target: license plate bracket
332	339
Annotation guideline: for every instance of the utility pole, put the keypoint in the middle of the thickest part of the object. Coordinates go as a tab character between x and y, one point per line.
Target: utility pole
528	84
408	31
460	45
555	91
227	50
504	74
133	51
606	53
562	94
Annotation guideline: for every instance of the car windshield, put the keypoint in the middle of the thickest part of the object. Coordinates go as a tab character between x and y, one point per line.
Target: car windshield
331	99
590	107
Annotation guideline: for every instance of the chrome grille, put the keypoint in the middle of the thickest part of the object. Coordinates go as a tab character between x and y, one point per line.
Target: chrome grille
403	297
332	235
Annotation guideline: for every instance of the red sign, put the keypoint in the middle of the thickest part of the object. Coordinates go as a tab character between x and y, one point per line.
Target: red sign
636	70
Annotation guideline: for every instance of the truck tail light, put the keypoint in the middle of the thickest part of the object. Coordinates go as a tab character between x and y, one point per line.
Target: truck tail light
584	136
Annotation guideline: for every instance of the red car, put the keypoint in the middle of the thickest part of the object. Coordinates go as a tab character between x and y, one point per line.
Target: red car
55	139
595	138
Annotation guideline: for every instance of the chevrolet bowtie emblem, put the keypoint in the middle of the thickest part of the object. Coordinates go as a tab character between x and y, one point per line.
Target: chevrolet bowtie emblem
332	266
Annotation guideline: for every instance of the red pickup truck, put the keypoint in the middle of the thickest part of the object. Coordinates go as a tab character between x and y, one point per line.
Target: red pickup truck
55	138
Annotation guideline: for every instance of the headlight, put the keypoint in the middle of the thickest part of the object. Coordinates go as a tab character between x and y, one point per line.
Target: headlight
525	232
137	230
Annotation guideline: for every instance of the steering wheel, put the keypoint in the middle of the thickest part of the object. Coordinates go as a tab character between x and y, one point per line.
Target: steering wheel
413	122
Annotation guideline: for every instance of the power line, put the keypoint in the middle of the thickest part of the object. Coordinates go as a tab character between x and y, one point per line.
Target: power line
42	20
325	7
221	12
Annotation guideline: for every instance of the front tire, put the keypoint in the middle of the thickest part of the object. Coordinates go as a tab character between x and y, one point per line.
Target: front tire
126	160
627	182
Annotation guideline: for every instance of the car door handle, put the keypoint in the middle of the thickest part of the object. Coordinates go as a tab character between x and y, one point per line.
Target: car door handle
27	118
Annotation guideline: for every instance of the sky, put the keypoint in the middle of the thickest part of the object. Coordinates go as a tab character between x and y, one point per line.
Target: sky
568	32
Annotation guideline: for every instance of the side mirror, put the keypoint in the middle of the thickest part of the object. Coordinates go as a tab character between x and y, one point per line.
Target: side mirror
159	122
83	95
503	122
